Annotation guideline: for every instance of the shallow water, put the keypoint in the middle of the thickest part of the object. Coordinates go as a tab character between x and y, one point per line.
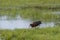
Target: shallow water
19	23
57	12
47	24
12	24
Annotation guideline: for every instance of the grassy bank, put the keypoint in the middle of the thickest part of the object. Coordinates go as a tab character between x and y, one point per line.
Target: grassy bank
31	34
7	3
12	8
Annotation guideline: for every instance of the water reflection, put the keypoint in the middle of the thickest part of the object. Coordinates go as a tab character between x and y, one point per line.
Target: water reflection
47	24
12	24
19	23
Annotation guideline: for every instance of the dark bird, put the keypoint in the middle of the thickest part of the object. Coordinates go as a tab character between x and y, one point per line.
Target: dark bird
34	24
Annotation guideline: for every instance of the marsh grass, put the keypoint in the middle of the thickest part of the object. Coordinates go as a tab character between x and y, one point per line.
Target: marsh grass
11	8
32	34
4	3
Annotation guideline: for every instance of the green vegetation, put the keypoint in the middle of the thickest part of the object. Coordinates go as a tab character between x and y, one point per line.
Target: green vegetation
31	13
31	34
11	8
8	3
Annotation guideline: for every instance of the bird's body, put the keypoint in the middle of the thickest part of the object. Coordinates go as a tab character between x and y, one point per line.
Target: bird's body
34	24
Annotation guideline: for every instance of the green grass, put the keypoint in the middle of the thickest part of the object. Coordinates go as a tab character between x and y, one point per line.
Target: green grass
31	13
31	34
4	3
12	8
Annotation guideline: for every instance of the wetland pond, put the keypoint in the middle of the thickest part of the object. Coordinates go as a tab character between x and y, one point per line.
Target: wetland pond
7	23
19	23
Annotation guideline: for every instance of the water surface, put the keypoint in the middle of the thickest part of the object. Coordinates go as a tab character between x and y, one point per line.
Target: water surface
20	23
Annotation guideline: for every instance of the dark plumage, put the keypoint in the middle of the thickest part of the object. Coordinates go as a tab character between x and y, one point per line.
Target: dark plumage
34	24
